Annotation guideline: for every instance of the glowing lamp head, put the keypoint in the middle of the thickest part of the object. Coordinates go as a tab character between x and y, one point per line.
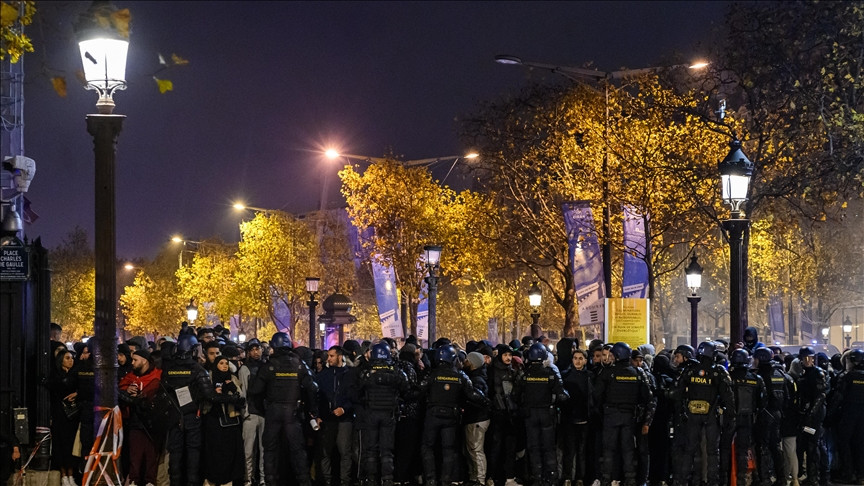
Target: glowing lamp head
191	311
535	296
693	272
433	255
331	154
735	173
312	284
103	40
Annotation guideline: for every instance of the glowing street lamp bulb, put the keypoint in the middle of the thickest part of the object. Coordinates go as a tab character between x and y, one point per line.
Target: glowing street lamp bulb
239	206
699	65
472	155
129	266
176	239
331	154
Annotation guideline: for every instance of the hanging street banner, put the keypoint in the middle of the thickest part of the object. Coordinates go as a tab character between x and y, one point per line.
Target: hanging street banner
775	319
635	280
628	321
586	261
388	302
493	331
423	312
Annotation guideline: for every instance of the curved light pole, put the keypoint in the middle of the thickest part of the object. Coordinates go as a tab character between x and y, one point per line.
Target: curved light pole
584	76
433	266
535	297
735	172
103	56
693	273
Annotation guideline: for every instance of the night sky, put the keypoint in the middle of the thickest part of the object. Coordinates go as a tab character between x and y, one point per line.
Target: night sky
271	84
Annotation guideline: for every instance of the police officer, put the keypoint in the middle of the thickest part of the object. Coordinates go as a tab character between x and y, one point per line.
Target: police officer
286	383
253	421
812	387
706	394
537	392
749	391
779	393
445	390
380	388
850	397
683	357
620	390
188	384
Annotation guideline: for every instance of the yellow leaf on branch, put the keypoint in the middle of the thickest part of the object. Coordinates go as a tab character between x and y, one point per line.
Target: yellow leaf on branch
59	83
178	61
121	20
164	85
8	14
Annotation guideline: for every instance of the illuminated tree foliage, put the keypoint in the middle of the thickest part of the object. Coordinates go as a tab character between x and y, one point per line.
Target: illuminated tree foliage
14	16
153	304
73	285
546	146
210	281
276	254
409	210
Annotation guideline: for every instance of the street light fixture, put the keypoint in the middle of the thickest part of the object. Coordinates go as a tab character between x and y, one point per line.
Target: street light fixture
535	297
191	311
433	266
825	332
103	55
693	273
735	172
179	239
312	288
239	206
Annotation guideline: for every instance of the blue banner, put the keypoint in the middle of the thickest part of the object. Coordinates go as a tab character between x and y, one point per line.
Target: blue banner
388	302
635	279
586	262
775	319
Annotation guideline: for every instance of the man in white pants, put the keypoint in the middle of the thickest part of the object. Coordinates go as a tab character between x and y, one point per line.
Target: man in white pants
253	421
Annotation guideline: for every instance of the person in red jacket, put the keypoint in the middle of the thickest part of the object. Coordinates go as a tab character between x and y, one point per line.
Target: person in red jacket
136	389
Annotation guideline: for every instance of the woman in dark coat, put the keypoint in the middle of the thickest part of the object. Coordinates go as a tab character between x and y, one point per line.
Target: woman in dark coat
63	388
223	458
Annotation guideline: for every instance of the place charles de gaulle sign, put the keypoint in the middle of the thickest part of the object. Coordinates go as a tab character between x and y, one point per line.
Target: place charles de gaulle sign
14	262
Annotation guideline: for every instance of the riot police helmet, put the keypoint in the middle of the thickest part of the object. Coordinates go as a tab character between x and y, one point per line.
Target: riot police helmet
381	351
763	354
706	349
185	344
856	357
281	341
536	353
806	351
740	357
685	350
621	351
446	354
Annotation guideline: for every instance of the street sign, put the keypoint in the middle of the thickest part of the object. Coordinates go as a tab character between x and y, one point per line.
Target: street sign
14	262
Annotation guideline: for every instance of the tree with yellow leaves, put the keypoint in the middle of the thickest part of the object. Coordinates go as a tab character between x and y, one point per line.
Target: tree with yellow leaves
14	16
73	285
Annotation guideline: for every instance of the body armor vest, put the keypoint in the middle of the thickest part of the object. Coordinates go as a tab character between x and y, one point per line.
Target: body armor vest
382	388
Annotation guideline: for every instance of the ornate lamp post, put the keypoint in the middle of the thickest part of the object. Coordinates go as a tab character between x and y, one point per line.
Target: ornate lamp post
103	55
191	311
693	273
433	260
312	289
825	331
735	172
535	297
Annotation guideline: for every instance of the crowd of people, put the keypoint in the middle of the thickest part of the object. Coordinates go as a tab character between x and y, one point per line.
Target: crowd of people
375	414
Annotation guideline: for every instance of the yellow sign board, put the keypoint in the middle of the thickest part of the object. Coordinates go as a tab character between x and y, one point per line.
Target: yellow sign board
628	321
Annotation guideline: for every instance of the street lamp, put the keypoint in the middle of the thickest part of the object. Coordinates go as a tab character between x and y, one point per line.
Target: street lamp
103	56
191	311
239	206
581	75
847	331
433	265
693	273
322	329
312	289
825	332
535	297
735	172
179	239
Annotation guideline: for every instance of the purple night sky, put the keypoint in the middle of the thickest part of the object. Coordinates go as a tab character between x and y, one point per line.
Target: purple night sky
269	84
